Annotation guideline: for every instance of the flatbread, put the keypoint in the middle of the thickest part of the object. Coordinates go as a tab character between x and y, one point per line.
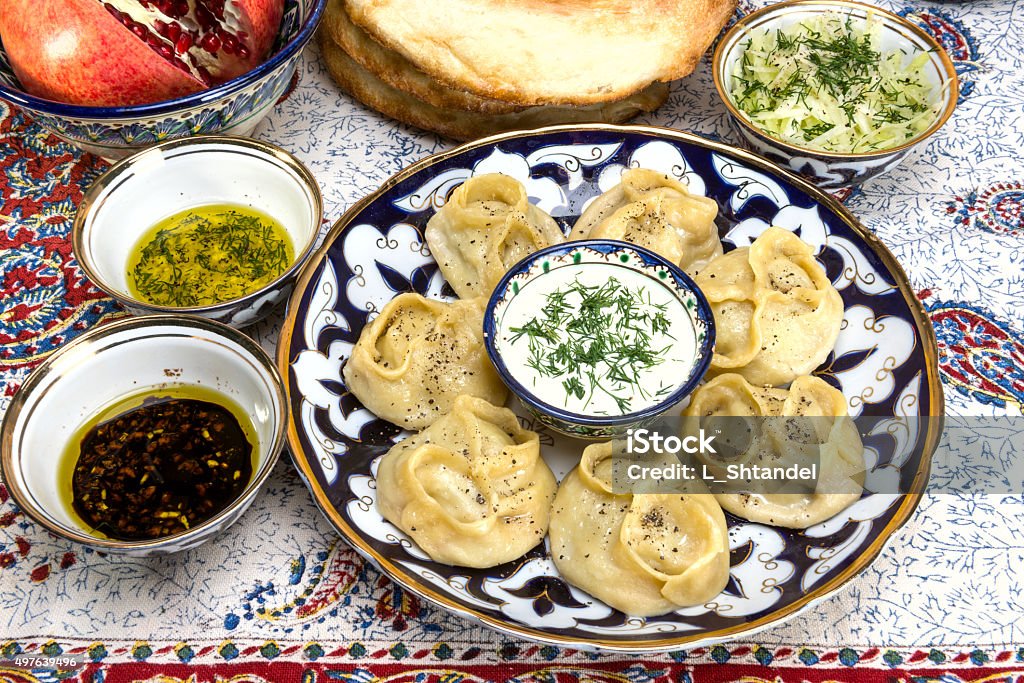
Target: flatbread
399	72
534	52
464	125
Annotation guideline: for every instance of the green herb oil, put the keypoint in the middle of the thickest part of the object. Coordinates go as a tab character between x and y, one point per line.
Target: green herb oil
208	255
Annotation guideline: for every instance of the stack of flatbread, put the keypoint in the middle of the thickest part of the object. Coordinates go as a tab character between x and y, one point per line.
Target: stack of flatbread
469	68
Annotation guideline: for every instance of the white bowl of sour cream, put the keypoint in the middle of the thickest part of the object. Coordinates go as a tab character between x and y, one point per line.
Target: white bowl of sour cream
597	336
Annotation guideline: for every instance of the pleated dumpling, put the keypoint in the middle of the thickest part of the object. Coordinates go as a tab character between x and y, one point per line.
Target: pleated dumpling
471	489
777	315
657	212
418	356
643	554
803	425
487	225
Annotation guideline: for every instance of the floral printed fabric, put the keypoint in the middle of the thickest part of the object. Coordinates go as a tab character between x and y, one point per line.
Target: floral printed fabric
279	597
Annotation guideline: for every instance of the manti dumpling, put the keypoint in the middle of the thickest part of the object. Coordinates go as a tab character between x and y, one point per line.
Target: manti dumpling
652	210
807	423
471	489
777	315
643	554
417	356
487	225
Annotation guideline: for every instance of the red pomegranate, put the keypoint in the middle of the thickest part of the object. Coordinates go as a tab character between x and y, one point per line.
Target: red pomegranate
124	52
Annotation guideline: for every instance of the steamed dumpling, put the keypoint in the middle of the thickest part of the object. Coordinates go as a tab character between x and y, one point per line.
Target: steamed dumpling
657	212
487	226
777	315
471	489
782	437
418	356
643	554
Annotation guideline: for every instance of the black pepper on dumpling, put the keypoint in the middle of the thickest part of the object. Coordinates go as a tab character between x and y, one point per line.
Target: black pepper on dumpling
484	228
804	425
471	489
656	212
777	315
418	356
643	554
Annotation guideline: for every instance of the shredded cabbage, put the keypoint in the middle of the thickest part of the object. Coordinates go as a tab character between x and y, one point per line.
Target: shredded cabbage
821	84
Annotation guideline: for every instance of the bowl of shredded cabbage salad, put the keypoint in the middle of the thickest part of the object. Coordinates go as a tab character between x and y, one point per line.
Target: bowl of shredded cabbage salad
838	90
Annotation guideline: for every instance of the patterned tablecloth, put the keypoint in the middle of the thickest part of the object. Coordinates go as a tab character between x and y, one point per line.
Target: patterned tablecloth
281	598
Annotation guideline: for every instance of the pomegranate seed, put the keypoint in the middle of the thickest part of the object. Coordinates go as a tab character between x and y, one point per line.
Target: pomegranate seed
211	43
177	29
206	20
183	43
215	8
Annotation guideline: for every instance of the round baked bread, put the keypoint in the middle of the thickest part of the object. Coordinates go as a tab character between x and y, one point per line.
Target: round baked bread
464	125
533	52
399	72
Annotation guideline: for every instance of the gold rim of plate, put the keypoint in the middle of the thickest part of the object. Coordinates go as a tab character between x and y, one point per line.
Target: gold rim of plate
412	583
950	87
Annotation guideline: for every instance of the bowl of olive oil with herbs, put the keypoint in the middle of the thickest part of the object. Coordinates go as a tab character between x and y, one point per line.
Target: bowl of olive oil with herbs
208	255
212	226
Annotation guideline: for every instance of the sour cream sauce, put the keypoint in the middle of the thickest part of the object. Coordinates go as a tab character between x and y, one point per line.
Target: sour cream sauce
596	339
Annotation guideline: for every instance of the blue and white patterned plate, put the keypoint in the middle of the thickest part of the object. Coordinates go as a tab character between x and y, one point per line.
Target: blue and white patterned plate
885	363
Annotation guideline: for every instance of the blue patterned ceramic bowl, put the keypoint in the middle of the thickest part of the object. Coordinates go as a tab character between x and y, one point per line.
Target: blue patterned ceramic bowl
117	361
626	257
234	107
833	170
885	362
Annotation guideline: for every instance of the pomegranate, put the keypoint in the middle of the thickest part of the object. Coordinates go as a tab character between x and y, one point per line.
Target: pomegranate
124	52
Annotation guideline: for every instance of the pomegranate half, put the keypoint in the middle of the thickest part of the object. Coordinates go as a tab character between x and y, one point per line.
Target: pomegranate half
125	52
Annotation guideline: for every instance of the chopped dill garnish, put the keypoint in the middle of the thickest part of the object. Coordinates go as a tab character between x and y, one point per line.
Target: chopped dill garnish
208	255
598	340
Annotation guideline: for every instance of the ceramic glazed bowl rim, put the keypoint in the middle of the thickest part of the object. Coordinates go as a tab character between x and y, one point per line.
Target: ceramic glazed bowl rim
9	459
680	282
949	88
184	103
89	205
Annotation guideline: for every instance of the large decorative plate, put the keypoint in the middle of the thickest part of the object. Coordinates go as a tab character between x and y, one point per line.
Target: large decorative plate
885	364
